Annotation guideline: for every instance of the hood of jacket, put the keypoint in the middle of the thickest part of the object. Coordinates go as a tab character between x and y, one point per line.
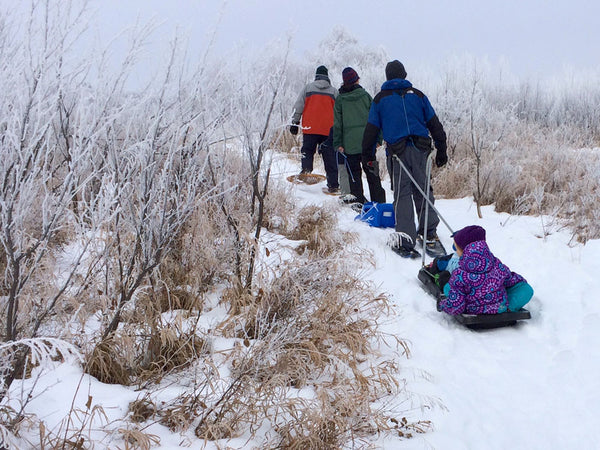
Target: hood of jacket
396	83
477	258
322	82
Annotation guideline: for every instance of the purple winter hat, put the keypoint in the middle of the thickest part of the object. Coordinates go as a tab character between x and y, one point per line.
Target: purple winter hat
467	235
349	76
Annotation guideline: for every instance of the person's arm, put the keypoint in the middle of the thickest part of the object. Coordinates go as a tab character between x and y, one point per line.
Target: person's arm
299	107
338	125
456	301
370	134
437	133
511	278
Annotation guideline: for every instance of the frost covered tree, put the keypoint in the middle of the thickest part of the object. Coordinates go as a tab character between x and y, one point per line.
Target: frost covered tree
39	182
340	49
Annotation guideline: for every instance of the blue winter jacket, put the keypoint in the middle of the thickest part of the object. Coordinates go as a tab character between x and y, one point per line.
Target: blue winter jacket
399	111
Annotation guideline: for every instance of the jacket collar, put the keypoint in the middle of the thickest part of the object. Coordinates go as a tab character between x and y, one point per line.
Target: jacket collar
396	83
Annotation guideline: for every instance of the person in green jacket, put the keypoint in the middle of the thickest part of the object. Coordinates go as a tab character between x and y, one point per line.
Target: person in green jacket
350	114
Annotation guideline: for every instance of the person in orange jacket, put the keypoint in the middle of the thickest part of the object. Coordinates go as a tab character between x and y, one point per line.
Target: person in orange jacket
314	107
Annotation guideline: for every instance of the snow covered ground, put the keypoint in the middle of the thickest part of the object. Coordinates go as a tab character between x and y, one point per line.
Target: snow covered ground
532	386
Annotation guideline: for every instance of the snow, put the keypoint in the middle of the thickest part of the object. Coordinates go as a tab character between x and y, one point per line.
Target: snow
531	386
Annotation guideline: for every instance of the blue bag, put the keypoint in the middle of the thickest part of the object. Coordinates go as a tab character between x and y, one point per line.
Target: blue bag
378	215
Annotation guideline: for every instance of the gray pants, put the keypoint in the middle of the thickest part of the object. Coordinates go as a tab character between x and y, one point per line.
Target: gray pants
343	179
407	197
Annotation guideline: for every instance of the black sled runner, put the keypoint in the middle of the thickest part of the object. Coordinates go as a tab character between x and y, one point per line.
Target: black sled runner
473	321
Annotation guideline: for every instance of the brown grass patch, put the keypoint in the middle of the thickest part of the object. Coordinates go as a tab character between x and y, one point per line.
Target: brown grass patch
169	348
108	360
137	439
181	412
142	409
318	227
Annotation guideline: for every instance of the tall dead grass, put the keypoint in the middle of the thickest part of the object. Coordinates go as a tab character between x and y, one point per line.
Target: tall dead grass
314	325
534	170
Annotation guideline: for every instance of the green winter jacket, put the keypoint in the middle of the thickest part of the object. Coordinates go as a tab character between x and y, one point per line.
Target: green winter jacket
350	114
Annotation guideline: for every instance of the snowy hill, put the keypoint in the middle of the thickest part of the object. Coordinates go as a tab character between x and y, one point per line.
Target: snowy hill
531	386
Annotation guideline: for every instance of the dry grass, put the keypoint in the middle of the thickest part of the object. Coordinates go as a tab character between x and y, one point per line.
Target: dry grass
170	348
181	412
312	325
142	409
136	439
73	432
150	303
340	416
196	260
287	143
318	227
109	360
535	170
329	422
280	210
308	324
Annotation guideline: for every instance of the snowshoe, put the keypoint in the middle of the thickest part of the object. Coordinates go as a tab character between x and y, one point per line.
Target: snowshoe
331	191
348	199
356	207
306	178
433	247
409	253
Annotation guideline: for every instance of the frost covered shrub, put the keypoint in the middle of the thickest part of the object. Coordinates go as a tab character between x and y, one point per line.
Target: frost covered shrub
340	49
526	138
312	324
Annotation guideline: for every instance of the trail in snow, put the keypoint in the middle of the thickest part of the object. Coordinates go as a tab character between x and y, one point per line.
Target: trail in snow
532	386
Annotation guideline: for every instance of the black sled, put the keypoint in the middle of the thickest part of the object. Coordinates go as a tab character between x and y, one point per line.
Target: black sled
473	321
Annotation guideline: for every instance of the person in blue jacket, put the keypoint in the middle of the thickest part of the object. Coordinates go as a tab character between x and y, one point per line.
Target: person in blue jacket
406	118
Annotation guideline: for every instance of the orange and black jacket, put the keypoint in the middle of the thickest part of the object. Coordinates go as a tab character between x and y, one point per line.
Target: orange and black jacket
315	106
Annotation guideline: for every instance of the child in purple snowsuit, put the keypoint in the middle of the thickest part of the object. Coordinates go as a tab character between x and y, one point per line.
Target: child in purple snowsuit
479	284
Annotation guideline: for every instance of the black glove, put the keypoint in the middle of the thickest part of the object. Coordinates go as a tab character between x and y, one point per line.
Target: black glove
443	279
294	129
441	158
438	305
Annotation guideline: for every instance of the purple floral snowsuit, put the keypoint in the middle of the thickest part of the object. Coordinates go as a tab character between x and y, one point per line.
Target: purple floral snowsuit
478	285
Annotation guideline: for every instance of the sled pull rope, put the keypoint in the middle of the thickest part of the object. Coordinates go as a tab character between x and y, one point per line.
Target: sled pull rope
427	187
346	164
429	202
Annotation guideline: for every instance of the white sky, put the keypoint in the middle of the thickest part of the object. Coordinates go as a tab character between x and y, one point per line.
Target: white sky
537	38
